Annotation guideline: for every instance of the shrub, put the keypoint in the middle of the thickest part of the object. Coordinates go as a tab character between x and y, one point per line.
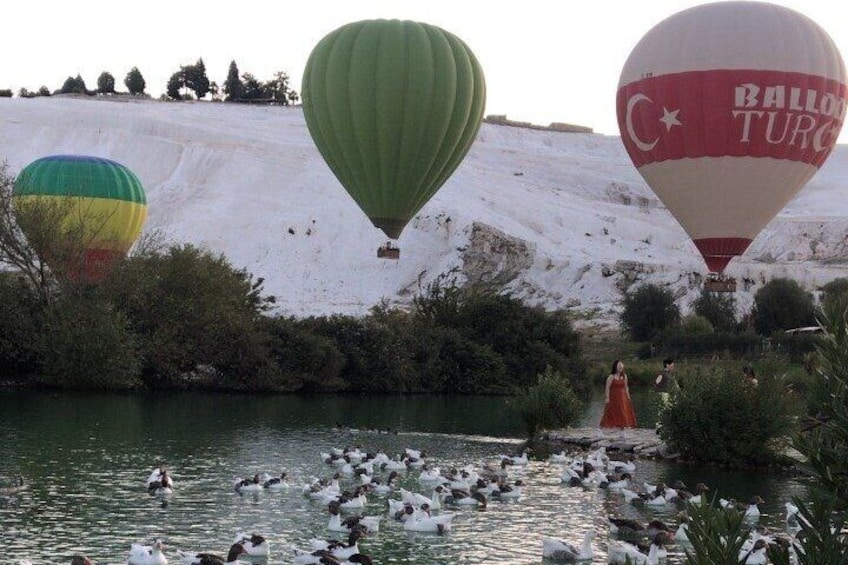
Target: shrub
716	535
676	343
19	325
307	361
6	93
717	307
647	311
86	343
718	417
696	325
782	304
190	309
550	403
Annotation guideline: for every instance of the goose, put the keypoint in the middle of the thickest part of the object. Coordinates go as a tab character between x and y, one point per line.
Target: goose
339	549
15	488
383	487
369	523
400	510
681	535
509	492
622	466
422	521
752	512
518	460
254	545
147	554
619	481
625	527
792	517
558	550
276	483
236	549
159	483
322	557
558	458
658	540
621	553
430	475
247	485
464	498
756	555
694	498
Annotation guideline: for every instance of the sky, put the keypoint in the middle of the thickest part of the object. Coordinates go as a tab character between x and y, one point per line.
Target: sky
544	61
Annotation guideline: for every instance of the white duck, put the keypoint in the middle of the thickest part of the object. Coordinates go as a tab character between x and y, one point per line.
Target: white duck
756	555
147	554
422	521
276	483
558	458
620	551
242	486
339	549
254	545
558	550
187	558
336	524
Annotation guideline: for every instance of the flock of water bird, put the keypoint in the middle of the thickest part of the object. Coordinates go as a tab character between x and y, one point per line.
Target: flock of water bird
354	475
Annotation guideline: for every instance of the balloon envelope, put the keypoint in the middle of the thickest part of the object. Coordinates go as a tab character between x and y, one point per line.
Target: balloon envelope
393	106
103	197
727	110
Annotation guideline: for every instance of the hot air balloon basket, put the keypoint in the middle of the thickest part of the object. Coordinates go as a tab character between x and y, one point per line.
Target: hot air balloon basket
720	284
388	251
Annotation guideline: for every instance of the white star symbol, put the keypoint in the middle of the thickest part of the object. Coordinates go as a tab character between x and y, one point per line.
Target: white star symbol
670	118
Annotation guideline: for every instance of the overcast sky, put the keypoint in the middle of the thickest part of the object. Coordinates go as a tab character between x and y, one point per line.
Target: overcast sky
544	61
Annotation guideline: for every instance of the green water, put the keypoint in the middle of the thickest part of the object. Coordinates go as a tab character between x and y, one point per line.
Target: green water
87	456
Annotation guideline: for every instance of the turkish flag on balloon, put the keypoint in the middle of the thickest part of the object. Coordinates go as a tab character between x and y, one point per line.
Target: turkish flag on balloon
727	110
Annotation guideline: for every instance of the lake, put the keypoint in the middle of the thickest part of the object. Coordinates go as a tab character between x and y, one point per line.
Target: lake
87	456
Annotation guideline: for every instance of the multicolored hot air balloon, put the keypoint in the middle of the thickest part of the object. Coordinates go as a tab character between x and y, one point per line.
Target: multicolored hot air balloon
393	106
101	203
727	110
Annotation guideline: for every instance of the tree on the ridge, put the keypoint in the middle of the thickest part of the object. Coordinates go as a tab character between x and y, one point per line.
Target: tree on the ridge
253	89
134	82
278	88
196	79
44	91
106	83
73	85
175	83
233	87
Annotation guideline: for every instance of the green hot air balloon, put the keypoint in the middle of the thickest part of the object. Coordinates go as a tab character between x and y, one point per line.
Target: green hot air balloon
101	208
393	107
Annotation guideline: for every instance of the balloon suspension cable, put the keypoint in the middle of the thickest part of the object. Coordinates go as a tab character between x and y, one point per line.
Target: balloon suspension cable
719	282
388	251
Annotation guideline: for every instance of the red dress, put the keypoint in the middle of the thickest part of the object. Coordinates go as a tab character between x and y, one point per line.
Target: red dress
618	413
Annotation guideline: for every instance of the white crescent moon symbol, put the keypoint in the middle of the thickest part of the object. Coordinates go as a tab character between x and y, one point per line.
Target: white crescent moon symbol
631	103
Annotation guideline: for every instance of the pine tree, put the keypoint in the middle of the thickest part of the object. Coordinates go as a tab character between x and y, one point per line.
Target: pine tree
233	87
135	82
196	79
106	83
175	83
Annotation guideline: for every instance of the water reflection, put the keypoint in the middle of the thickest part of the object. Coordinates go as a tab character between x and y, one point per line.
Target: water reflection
87	457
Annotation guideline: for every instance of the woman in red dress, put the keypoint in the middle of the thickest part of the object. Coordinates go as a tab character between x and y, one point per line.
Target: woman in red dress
618	411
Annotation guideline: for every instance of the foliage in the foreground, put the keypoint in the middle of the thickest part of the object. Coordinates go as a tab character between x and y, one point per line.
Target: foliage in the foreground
716	535
717	307
550	403
720	417
824	441
647	311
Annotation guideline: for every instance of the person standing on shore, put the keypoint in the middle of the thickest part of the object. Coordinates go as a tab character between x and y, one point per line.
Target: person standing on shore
618	410
666	381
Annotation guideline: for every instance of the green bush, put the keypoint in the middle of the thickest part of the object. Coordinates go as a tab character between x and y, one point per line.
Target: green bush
19	325
696	325
677	343
191	309
720	417
719	308
86	343
550	403
647	311
307	361
782	304
794	347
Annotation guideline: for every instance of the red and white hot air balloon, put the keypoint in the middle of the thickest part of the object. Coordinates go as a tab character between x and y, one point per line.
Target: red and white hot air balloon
727	110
